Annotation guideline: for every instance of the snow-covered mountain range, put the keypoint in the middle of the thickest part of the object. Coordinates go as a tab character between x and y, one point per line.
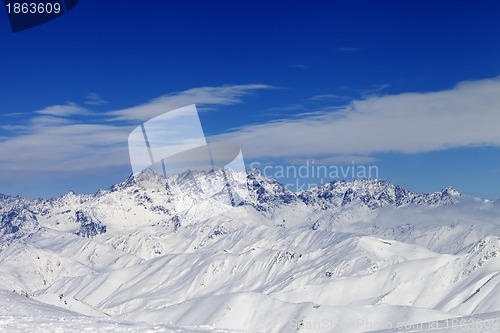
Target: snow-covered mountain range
348	256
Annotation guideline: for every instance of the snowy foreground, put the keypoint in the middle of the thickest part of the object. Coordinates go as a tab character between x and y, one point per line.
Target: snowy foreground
21	314
35	316
344	257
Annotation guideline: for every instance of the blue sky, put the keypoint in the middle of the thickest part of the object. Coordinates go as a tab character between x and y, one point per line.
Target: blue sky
410	86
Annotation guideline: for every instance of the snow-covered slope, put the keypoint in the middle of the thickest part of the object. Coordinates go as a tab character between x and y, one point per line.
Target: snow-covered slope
345	256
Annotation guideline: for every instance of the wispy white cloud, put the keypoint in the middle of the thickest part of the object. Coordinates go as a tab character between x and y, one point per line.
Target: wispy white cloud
326	97
285	110
13	128
13	114
45	121
376	89
466	115
64	110
332	160
54	140
299	66
68	146
94	99
225	95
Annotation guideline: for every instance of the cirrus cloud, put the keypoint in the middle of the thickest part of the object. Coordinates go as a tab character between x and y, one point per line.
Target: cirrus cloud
466	115
69	137
203	96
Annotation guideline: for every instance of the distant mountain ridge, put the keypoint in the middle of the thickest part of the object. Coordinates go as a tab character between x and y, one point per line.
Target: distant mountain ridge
18	214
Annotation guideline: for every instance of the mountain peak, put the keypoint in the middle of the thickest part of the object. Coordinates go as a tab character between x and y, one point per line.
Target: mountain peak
451	191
